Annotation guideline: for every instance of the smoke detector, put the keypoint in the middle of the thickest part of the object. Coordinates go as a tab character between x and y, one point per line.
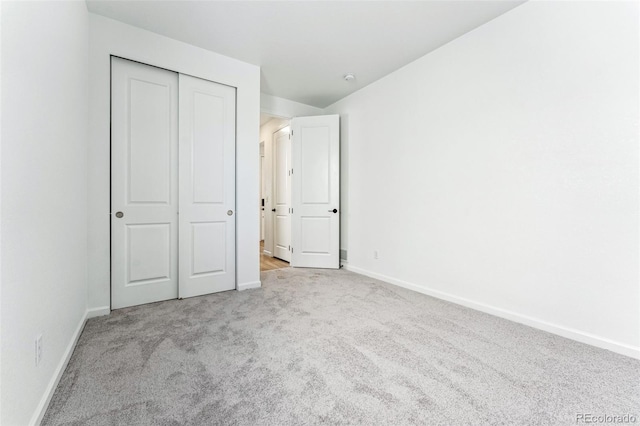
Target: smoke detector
349	77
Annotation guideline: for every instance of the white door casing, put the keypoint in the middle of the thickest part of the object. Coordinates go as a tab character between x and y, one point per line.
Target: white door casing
282	194
315	197
207	187
144	184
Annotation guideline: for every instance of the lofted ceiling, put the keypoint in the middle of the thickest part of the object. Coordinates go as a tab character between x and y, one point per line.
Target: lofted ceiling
304	48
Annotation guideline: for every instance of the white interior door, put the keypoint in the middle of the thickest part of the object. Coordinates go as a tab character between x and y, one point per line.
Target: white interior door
144	184
262	191
207	187
282	195
315	231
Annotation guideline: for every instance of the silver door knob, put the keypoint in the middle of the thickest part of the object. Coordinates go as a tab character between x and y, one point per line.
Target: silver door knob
229	212
119	215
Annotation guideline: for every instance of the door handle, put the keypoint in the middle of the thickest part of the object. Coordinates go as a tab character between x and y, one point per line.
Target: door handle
333	211
119	215
229	212
273	210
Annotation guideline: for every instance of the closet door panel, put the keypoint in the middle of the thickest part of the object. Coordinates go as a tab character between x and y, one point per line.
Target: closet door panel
207	187
144	184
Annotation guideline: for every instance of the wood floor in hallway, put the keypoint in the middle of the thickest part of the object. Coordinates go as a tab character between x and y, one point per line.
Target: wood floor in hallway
269	263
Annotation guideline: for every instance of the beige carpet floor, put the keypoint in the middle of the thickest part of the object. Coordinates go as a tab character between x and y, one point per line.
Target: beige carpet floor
332	347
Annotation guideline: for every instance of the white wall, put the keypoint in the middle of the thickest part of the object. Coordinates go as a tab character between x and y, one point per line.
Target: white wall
285	108
109	37
501	171
44	196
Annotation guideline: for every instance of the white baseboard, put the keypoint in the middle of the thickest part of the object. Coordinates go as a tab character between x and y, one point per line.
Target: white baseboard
98	312
569	333
247	286
53	383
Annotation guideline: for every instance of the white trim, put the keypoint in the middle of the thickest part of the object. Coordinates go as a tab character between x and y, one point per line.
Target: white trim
569	333
36	419
98	312
247	286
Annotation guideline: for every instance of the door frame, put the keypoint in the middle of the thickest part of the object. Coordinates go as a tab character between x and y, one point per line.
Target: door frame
109	194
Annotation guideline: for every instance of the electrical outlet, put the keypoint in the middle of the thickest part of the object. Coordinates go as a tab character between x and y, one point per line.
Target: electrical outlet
375	254
38	349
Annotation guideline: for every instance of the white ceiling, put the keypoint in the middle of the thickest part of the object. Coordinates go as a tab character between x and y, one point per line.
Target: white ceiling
305	47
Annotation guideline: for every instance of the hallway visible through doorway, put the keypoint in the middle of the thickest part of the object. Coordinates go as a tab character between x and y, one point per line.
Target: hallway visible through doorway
269	263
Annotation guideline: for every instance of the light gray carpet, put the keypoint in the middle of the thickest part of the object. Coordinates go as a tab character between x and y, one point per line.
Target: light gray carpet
332	347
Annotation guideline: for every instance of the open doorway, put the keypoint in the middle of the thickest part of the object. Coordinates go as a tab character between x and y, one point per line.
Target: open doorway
275	192
300	191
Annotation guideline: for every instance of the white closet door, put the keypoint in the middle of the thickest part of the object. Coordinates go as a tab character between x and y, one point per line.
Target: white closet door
144	184
315	231
282	194
207	187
